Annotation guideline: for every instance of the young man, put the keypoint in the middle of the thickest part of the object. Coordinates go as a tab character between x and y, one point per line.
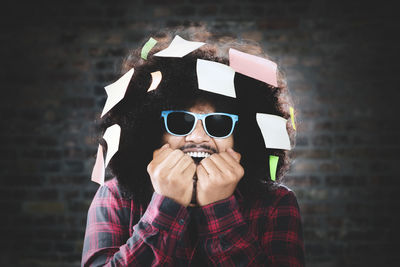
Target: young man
192	184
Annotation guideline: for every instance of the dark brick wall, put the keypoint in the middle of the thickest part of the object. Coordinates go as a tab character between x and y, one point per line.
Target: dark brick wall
341	62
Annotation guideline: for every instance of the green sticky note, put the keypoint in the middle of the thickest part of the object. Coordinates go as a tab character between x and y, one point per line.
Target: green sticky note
147	47
273	164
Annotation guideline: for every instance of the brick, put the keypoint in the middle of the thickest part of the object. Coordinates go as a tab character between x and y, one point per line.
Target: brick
74	166
23	180
185	11
79	102
76	206
346	180
230	10
277	23
253	35
311	153
209	10
62	179
302	166
253	11
329	167
44	207
50	166
305	181
161	12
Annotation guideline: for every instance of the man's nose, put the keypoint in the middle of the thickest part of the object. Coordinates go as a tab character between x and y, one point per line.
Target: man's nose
198	135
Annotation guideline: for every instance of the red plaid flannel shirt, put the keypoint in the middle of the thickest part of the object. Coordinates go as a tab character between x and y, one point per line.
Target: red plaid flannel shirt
225	233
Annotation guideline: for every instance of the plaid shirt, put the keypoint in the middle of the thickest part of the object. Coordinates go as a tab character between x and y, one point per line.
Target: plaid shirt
225	233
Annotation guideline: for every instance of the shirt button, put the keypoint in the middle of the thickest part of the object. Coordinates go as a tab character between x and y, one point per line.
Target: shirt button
181	221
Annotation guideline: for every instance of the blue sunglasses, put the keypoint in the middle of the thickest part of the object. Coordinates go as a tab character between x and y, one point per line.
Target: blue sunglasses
182	123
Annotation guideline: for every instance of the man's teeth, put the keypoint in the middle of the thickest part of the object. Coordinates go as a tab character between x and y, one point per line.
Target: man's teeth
198	154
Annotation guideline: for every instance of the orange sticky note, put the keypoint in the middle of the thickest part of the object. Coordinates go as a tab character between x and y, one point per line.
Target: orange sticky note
156	79
255	67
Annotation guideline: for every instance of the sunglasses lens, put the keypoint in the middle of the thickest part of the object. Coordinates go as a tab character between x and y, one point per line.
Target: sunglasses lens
219	125
180	123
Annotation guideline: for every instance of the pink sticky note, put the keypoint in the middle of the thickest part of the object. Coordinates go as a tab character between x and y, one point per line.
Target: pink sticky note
98	172
255	67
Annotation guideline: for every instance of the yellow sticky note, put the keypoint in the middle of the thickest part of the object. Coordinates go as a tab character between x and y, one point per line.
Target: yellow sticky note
147	47
273	164
292	116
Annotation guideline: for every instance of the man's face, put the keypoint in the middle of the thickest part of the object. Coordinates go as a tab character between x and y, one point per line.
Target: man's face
198	144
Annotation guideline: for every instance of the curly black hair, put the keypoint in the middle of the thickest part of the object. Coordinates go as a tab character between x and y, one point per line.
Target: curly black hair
142	129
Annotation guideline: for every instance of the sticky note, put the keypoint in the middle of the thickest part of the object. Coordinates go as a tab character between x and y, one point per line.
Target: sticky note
273	164
179	47
147	47
255	67
116	91
292	117
273	129
98	172
156	79
112	135
215	77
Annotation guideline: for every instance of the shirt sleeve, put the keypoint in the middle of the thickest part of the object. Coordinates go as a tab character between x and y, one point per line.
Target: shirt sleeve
229	241
154	238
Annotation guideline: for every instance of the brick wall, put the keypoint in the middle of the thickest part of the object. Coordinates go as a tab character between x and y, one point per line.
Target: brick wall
340	61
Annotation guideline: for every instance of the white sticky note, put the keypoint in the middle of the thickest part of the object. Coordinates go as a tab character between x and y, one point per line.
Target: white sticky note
98	172
156	79
215	77
273	129
179	47
255	67
112	135
116	91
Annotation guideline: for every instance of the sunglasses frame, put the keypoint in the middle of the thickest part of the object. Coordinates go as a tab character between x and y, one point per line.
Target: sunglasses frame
198	116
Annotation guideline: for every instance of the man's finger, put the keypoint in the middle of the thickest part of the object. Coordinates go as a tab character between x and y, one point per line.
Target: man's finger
230	159
172	159
160	150
220	162
190	170
183	164
201	172
234	154
209	166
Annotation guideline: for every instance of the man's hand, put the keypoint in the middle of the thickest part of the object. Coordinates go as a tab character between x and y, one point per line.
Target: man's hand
171	173
218	176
